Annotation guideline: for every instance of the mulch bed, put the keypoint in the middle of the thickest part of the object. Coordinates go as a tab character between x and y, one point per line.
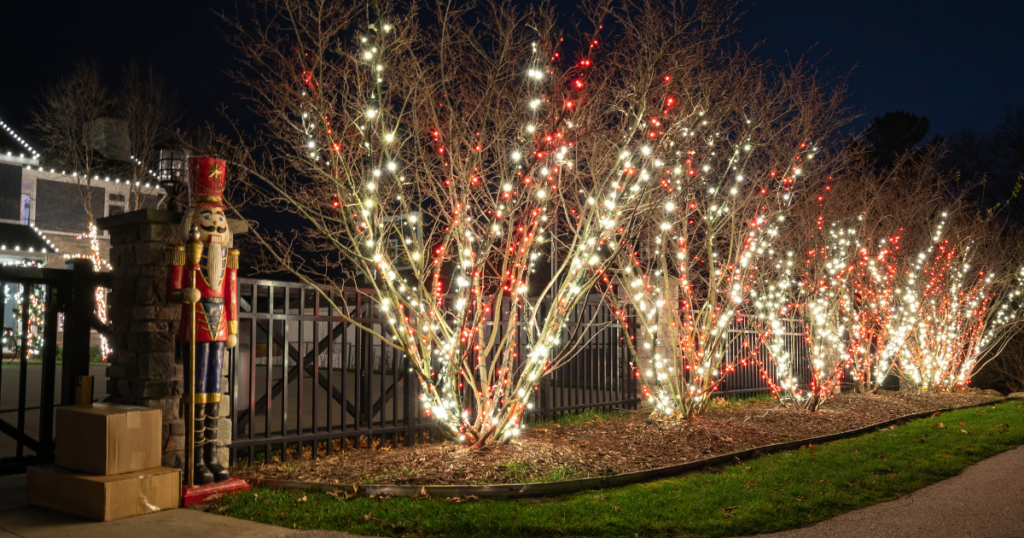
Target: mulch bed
603	445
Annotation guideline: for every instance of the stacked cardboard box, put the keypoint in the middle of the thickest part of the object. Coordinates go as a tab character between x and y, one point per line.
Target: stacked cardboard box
107	464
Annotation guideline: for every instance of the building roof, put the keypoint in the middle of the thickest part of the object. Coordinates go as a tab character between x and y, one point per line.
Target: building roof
23	238
14	148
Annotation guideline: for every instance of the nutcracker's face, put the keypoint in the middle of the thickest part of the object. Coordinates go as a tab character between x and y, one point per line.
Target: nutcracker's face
212	225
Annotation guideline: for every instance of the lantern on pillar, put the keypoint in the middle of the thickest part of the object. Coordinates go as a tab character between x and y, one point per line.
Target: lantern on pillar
172	171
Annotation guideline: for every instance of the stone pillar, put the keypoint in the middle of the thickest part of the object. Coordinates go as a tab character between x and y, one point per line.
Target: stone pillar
144	368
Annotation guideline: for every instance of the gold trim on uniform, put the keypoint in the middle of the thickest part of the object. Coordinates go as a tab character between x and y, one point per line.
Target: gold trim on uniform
233	327
232	258
207	199
178	255
203	398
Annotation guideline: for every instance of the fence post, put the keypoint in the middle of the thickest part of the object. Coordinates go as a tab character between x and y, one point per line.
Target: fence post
48	370
411	405
76	328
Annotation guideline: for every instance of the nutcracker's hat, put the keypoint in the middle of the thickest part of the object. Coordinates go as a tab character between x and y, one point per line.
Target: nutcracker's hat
206	181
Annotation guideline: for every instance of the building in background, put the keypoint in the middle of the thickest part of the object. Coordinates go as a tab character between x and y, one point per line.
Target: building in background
52	203
44	219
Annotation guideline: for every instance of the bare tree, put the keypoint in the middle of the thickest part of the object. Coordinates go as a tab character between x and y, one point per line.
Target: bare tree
809	301
437	166
929	291
749	138
992	163
80	109
150	115
64	125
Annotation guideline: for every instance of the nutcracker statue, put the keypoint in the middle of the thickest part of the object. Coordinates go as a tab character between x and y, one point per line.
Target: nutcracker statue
203	279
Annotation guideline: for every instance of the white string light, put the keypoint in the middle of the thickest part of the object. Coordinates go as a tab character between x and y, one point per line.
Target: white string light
24	144
18	248
96	177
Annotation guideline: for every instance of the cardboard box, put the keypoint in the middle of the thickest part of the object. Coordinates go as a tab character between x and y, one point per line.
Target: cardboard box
104	498
108	439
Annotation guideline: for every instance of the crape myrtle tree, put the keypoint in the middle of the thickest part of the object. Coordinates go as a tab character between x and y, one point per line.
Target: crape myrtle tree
460	162
837	278
967	292
896	209
893	291
931	294
733	169
807	298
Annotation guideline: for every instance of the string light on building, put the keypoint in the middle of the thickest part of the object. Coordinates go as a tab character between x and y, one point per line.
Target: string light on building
101	293
20	140
96	177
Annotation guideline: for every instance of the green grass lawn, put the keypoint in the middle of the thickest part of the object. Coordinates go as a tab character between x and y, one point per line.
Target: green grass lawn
776	492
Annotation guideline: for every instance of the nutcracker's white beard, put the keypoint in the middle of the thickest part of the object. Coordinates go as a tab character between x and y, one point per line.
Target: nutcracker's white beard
214	265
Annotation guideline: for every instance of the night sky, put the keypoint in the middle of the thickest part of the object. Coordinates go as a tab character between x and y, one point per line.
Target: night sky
958	62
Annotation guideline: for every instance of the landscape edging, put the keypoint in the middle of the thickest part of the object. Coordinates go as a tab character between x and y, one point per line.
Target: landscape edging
562	487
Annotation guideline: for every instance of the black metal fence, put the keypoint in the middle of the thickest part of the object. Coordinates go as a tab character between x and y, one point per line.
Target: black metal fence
304	379
29	384
752	360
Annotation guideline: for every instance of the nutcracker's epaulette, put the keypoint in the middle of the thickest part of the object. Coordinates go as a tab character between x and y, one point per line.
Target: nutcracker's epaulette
178	255
232	258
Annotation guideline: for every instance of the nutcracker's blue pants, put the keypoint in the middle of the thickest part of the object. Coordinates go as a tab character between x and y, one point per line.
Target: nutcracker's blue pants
209	366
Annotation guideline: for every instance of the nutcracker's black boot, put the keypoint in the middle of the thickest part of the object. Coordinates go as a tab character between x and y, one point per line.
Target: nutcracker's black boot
220	474
200	472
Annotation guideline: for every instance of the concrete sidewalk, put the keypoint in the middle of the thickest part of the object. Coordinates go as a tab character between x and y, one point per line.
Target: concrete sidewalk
985	501
17	520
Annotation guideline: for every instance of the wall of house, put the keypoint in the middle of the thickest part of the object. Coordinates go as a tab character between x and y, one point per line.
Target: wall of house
10	192
57	206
